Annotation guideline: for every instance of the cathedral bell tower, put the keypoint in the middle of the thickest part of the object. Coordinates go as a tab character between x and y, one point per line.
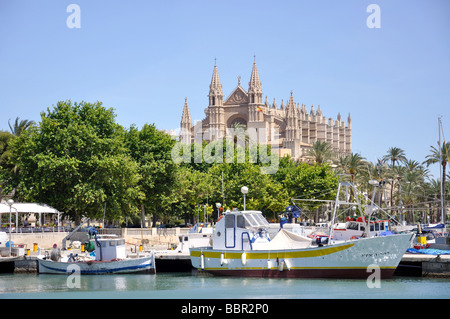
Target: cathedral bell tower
256	107
215	108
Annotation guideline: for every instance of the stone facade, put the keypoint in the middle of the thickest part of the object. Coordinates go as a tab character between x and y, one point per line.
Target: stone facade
289	127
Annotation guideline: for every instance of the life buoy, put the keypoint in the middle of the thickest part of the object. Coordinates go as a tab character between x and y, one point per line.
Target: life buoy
354	237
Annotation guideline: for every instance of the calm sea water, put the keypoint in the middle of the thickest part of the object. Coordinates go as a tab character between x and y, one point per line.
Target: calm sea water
192	285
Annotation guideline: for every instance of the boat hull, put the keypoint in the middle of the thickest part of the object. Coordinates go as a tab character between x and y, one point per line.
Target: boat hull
352	259
131	265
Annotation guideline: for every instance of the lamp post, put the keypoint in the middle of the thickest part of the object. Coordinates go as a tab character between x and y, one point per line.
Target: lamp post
10	202
218	205
244	190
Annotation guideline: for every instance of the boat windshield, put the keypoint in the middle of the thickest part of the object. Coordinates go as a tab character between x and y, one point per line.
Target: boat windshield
255	220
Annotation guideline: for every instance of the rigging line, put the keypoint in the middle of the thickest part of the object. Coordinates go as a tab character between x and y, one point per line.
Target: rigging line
319	193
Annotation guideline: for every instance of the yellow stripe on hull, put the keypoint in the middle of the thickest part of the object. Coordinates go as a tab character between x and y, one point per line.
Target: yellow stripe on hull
306	253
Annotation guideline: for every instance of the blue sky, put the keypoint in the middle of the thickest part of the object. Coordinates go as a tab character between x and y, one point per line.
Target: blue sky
143	57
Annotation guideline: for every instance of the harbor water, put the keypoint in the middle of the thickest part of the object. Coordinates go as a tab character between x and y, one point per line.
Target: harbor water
193	285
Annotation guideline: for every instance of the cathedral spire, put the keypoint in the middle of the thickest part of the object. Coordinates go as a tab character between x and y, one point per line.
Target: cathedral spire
254	86
215	81
186	123
186	116
215	89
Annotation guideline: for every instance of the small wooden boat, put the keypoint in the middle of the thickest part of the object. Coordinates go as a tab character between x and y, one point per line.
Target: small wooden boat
109	258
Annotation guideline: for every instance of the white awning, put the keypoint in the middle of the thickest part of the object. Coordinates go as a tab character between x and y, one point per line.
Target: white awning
28	208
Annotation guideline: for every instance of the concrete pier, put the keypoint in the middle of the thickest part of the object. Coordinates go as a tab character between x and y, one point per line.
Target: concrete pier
424	265
168	261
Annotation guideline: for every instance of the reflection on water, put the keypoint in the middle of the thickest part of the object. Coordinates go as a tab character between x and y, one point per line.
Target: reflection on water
192	286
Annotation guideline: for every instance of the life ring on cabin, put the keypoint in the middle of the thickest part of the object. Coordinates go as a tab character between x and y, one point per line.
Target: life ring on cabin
221	216
353	237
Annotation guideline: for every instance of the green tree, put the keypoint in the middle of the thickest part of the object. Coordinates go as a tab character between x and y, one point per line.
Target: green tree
151	149
76	161
265	194
5	150
192	188
311	182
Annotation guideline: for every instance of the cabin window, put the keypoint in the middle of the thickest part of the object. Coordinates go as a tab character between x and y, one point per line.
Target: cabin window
362	228
353	226
251	220
377	226
229	221
371	227
261	220
240	221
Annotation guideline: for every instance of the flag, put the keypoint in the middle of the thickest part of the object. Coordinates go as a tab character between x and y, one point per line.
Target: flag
258	109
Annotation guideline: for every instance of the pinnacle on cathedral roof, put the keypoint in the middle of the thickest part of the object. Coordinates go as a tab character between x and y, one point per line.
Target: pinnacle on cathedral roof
215	81
255	84
186	116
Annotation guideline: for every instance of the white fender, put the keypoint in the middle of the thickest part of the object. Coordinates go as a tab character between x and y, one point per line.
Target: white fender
269	264
223	260
202	261
281	266
288	264
243	259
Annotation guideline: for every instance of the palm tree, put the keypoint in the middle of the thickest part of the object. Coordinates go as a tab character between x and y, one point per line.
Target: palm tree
19	127
352	164
394	154
440	155
321	152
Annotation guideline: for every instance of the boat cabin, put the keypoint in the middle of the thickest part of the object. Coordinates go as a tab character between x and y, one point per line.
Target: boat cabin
355	227
240	230
109	248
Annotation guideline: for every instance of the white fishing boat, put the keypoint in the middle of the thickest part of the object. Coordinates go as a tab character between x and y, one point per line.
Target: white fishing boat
109	257
242	246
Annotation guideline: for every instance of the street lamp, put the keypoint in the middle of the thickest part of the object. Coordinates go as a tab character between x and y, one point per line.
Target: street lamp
218	205
244	190
10	202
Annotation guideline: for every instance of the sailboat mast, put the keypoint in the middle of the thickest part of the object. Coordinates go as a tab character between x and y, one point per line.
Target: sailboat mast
441	171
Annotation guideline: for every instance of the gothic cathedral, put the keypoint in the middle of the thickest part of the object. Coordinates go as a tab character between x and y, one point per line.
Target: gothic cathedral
289	128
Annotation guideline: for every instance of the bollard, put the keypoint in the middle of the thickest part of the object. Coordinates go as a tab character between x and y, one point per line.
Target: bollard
28	252
35	247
